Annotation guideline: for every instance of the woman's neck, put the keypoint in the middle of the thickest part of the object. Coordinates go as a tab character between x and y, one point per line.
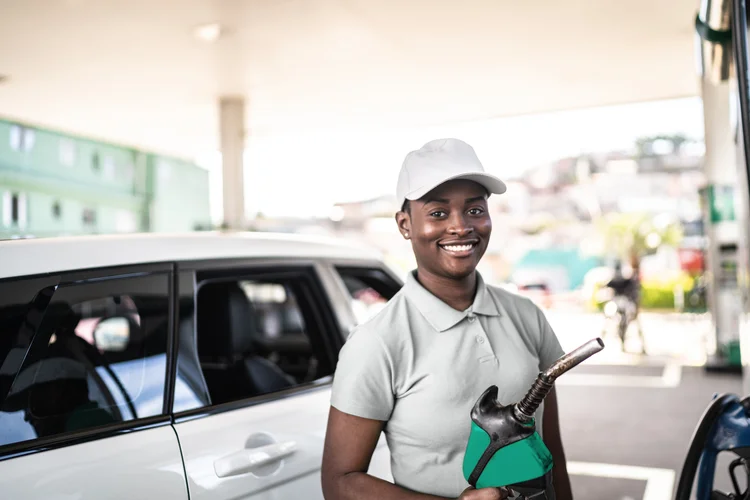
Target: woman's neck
457	293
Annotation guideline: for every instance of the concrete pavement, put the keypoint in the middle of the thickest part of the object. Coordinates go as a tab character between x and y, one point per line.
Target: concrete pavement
678	338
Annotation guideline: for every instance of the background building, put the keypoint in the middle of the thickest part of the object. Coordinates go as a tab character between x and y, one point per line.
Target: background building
53	184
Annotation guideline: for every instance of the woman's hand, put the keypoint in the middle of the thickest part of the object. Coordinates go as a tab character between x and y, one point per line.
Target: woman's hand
483	494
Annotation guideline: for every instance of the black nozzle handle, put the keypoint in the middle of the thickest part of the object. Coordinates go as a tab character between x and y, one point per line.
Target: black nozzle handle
525	409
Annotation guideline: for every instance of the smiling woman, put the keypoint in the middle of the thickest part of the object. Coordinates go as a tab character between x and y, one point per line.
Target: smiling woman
449	230
415	370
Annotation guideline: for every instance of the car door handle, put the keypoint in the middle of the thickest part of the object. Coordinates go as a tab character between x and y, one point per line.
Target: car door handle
247	460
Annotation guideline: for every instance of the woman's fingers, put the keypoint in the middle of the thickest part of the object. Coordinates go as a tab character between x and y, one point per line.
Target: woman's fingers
484	494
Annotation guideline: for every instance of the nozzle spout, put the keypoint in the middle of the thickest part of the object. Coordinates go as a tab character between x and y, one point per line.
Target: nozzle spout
573	359
525	409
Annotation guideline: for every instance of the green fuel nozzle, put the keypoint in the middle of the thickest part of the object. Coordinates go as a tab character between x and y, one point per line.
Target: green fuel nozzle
504	448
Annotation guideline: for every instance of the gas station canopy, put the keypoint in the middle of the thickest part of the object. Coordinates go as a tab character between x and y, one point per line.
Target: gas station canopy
149	73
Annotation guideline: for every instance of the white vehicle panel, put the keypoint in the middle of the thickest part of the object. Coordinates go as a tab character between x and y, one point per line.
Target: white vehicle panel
51	255
135	465
298	419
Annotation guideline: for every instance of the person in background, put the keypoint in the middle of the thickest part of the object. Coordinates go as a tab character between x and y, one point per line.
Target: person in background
628	287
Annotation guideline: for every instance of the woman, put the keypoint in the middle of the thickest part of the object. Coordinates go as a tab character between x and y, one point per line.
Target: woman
415	370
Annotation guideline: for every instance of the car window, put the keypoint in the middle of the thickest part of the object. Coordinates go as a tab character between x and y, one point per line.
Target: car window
98	357
261	334
369	289
366	302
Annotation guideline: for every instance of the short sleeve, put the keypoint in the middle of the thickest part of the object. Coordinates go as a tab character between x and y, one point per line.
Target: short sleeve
363	382
549	347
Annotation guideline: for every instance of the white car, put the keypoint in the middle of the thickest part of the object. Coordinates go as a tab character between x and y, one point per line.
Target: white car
182	366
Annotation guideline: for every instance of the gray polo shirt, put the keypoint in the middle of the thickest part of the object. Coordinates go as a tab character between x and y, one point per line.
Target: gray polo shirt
420	365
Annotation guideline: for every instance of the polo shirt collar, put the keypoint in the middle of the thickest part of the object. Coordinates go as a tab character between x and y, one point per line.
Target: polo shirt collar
439	314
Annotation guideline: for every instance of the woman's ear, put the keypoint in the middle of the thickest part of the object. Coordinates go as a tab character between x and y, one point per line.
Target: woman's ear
403	220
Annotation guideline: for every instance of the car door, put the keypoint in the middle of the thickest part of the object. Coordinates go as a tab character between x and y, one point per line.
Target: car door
84	387
264	338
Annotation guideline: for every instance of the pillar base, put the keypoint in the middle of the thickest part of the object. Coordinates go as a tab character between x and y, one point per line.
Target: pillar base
720	364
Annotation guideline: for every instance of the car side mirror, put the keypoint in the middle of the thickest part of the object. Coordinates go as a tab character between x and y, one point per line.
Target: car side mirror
112	334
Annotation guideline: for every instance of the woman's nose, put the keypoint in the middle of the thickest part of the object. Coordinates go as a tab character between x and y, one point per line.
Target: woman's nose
460	227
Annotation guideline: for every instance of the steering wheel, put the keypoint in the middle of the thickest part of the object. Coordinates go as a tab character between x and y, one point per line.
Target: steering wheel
724	426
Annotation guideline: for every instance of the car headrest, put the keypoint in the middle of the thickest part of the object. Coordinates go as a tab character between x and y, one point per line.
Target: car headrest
226	321
293	322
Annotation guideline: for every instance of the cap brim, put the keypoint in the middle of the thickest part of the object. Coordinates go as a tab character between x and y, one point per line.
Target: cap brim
492	184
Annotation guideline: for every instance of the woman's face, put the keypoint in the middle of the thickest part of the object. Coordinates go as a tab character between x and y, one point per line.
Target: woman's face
449	228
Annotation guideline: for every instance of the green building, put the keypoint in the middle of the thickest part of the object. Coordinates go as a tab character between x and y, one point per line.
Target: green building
53	184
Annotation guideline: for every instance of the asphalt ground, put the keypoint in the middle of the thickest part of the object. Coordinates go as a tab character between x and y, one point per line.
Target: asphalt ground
627	419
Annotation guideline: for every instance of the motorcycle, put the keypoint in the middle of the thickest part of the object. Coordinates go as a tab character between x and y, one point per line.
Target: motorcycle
619	312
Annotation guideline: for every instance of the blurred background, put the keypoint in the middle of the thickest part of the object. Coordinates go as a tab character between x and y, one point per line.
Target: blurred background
611	122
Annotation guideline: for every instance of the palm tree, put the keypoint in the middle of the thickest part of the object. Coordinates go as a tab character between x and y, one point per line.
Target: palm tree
632	236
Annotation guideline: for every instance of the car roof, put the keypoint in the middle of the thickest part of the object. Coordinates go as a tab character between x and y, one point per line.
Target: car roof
25	257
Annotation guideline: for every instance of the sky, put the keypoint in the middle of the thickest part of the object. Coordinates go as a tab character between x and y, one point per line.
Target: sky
305	175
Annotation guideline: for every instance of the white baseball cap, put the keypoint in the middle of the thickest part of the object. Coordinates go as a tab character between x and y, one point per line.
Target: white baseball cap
440	161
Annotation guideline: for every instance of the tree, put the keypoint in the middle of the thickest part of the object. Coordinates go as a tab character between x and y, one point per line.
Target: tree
632	236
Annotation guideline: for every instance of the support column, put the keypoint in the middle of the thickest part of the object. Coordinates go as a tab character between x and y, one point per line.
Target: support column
719	197
718	77
232	124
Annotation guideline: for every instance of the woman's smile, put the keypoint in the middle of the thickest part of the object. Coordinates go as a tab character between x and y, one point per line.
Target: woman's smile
459	249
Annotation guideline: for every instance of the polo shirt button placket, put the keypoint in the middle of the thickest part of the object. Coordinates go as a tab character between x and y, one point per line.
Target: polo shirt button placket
480	337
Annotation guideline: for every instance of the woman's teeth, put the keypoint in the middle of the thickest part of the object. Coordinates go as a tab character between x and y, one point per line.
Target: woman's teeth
458	248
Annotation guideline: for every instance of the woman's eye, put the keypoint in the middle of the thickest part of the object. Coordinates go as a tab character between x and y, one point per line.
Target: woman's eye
476	211
438	214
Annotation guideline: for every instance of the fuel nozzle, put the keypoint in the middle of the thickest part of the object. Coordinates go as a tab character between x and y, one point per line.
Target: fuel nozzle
525	409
